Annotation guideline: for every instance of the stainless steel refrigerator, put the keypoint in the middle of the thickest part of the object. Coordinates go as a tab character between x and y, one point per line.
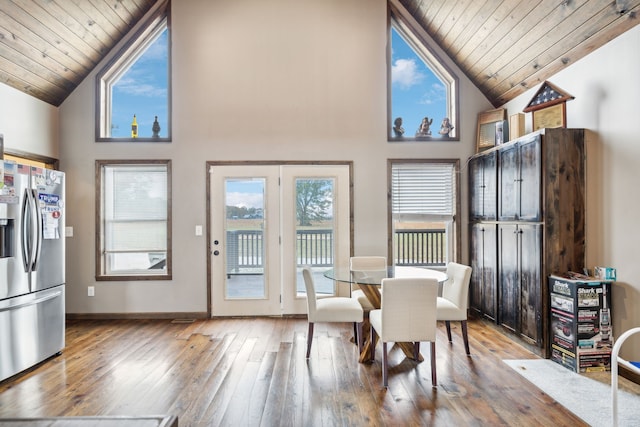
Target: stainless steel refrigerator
32	270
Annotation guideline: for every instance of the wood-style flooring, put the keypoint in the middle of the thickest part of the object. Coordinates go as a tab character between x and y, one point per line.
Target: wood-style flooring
253	372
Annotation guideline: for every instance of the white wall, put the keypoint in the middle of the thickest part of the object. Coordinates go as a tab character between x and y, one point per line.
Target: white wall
252	80
28	124
606	88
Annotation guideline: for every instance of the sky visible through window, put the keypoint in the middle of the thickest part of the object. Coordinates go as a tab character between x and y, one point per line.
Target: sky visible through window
143	90
416	92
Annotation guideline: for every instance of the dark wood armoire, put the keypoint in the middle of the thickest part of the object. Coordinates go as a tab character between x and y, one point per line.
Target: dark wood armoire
527	221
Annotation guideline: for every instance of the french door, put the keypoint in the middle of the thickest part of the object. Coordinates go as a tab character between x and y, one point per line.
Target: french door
267	222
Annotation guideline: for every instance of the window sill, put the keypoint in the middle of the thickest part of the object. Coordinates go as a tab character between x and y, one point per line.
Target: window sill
134	140
132	278
423	139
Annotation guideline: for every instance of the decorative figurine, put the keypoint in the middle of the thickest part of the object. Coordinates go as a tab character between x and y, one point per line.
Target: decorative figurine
156	128
134	127
446	127
423	130
398	130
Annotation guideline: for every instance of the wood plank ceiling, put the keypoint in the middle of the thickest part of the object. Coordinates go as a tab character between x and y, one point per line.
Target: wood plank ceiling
509	46
47	47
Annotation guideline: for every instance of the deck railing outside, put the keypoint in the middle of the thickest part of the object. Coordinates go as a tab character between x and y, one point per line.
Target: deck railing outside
316	248
420	247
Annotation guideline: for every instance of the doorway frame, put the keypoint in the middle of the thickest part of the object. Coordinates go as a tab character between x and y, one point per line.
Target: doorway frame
213	163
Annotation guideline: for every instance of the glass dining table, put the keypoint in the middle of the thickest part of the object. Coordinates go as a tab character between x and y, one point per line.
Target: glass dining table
368	281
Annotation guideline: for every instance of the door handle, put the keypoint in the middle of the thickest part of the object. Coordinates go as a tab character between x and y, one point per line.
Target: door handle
216	252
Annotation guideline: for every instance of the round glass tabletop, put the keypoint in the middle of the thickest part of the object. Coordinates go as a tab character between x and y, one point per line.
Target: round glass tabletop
374	277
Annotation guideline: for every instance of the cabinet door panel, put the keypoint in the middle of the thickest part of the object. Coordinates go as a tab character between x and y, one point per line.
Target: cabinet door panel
482	292
508	177
476	255
508	276
490	194
483	187
530	180
476	188
530	281
489	271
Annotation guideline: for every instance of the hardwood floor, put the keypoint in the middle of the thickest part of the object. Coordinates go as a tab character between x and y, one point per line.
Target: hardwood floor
253	371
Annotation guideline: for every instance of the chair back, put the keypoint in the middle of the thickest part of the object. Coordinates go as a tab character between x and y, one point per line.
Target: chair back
311	293
456	288
360	267
408	309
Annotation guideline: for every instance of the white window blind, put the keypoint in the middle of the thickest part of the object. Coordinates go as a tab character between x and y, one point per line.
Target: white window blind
138	214
423	188
135	220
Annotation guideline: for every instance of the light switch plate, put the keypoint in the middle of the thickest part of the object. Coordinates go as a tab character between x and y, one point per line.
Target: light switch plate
68	231
198	230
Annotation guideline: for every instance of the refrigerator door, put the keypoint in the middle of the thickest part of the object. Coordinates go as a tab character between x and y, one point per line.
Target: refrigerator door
14	280
48	270
31	329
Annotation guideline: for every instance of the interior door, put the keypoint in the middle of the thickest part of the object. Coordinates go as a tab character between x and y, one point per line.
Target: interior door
267	223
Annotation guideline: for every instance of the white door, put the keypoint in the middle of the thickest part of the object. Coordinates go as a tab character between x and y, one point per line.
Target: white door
267	222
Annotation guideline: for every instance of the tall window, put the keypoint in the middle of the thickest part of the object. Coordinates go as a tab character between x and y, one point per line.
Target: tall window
134	219
133	91
423	91
424	204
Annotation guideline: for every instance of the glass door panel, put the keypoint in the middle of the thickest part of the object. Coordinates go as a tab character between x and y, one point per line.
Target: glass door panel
244	225
315	231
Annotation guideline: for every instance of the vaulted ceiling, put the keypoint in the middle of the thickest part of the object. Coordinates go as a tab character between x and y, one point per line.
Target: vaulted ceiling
47	47
509	46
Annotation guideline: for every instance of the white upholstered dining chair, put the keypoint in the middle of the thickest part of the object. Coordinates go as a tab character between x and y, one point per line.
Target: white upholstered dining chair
359	266
407	314
453	304
330	309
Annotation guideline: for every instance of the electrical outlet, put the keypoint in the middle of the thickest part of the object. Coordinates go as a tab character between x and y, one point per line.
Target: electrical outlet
91	291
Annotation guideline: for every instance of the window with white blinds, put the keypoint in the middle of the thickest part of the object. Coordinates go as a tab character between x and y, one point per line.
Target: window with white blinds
423	188
423	207
134	219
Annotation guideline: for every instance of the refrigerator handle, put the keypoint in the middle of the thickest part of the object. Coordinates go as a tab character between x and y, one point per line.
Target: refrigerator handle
38	235
25	226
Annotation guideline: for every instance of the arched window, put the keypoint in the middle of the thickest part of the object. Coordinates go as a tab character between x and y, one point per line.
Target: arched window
422	90
133	90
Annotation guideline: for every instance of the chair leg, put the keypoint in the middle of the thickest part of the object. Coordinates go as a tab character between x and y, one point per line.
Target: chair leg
309	338
434	380
448	325
465	337
385	365
359	337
